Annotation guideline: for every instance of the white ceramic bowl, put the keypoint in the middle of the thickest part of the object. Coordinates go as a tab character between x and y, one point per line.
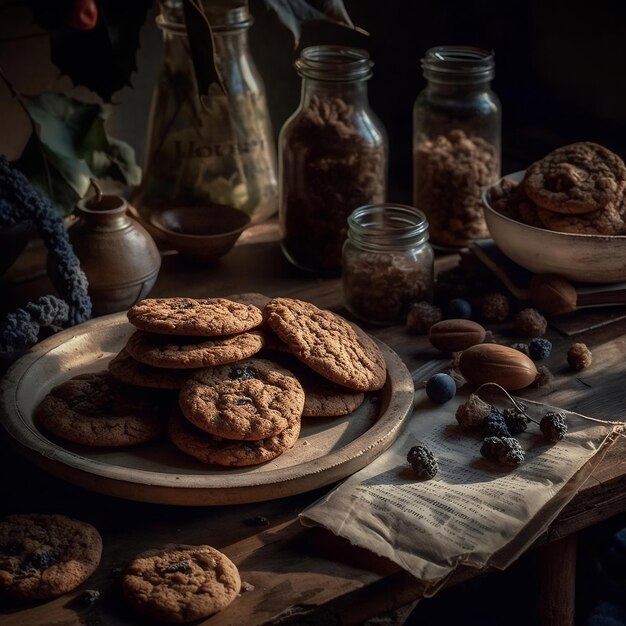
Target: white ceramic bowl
580	258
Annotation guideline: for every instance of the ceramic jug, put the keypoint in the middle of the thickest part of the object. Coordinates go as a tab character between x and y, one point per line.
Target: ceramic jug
117	254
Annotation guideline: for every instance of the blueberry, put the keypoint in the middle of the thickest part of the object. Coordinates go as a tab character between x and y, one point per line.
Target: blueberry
440	388
457	308
539	348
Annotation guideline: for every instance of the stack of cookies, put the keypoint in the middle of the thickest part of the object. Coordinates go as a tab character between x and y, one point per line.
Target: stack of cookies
233	406
578	188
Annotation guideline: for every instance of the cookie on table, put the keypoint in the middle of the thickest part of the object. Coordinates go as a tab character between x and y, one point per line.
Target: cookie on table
126	369
180	352
226	452
577	178
607	221
252	399
208	317
327	343
181	583
97	410
44	556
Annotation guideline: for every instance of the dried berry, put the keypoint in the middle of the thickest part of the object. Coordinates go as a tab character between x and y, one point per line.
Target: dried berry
544	377
440	388
494	307
422	461
516	418
457	308
579	356
472	412
241	373
531	323
521	347
421	316
553	425
495	424
505	450
183	567
539	348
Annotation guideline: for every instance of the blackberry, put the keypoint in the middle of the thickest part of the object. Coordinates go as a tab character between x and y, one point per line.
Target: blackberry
539	348
423	462
505	450
553	426
472	412
516	418
495	424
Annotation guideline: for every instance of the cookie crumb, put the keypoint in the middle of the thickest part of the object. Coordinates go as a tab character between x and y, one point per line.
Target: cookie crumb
579	356
494	307
544	377
531	323
246	586
421	316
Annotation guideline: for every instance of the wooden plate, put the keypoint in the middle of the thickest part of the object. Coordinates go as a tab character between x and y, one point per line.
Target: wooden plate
328	449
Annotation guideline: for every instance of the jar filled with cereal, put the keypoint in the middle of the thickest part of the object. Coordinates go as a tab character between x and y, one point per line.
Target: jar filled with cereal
387	262
332	156
456	142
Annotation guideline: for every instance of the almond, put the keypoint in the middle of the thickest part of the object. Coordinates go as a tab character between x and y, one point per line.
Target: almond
455	335
553	295
492	363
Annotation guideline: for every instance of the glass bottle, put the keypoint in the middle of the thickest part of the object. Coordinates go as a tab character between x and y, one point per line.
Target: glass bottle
456	142
214	149
387	262
332	156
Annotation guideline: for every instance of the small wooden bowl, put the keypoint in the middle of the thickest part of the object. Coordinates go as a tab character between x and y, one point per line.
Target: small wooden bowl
201	233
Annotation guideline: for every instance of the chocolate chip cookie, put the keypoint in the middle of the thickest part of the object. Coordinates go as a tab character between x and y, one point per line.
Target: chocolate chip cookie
208	317
252	399
126	369
179	352
181	583
577	178
606	221
97	410
44	556
226	452
327	343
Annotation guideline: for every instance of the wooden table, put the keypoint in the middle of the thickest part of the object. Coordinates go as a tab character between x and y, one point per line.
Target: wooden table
295	570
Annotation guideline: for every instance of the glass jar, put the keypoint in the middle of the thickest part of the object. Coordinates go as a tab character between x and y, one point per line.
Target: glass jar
387	262
456	143
332	156
215	148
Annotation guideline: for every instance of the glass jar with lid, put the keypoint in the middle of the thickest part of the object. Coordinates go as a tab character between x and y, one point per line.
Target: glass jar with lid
332	156
387	262
215	148
456	142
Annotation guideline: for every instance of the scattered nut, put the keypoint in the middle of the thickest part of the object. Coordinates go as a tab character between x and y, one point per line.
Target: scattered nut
455	335
552	294
531	323
491	362
579	356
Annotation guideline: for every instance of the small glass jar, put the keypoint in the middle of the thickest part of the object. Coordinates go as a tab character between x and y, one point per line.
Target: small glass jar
214	148
456	143
387	262
332	156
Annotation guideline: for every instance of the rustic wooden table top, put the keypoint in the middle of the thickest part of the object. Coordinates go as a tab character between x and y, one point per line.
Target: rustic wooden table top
287	564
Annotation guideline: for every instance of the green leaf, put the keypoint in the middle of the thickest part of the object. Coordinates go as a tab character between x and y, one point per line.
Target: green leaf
294	13
70	146
102	58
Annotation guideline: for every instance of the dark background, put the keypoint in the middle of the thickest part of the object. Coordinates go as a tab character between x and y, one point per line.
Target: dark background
560	68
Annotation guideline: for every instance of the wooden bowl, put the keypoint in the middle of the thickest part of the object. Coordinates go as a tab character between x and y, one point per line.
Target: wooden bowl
201	233
580	258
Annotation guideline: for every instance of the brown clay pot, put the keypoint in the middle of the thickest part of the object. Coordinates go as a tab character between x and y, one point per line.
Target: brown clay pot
117	254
